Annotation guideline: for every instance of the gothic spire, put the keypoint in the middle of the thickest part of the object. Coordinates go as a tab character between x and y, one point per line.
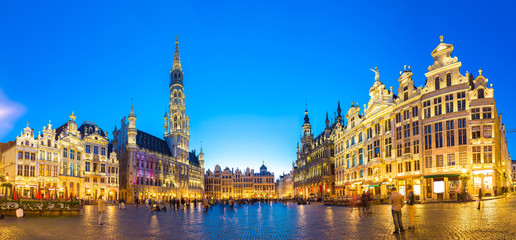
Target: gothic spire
327	121
177	59
338	109
132	110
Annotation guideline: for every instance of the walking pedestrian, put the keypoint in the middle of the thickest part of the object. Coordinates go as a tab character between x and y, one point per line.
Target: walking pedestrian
479	197
137	202
101	208
396	200
410	203
205	204
364	201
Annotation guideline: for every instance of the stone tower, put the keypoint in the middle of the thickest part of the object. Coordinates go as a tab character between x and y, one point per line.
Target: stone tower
177	129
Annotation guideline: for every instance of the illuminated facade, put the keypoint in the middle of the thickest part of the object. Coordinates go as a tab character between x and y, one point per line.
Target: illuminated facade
100	169
440	137
53	162
314	167
237	184
160	168
285	186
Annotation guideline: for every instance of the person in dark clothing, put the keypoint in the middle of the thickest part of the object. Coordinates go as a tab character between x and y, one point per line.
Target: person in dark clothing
479	197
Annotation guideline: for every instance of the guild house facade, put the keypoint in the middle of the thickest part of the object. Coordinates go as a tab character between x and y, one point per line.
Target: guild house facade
444	138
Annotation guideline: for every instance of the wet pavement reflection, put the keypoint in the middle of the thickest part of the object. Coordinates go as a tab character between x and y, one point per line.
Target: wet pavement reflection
272	221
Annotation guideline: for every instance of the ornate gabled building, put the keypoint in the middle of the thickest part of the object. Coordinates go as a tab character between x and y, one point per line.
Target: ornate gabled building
160	168
237	184
314	167
67	162
101	167
443	138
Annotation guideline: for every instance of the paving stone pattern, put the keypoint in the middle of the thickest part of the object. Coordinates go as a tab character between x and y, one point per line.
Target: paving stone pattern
274	221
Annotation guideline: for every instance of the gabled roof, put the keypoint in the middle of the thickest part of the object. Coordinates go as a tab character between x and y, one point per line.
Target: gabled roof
193	159
152	143
89	128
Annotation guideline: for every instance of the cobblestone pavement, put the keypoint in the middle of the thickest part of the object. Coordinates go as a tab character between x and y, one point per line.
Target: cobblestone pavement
274	221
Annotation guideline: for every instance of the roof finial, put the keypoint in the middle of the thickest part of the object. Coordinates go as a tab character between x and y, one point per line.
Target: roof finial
480	71
132	109
177	60
72	117
404	68
441	37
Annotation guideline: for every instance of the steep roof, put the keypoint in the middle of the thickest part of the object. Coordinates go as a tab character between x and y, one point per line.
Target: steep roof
89	128
193	159
152	143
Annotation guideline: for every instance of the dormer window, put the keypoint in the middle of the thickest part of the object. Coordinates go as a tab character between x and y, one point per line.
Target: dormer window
480	93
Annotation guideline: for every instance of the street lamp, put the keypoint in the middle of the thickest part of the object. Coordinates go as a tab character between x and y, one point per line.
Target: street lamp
464	177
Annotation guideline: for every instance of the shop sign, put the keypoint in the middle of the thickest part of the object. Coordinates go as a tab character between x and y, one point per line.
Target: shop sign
483	171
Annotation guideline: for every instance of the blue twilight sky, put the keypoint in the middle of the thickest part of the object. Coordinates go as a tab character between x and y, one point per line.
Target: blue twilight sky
249	66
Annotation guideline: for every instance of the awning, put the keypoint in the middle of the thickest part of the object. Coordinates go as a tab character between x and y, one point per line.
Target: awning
372	186
367	183
443	175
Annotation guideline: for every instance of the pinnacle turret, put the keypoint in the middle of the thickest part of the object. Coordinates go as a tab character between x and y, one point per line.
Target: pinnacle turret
177	59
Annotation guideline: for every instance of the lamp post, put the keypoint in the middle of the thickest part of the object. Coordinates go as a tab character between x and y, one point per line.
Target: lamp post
464	178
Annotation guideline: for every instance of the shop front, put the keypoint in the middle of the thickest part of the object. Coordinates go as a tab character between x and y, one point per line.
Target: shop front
403	183
444	187
484	179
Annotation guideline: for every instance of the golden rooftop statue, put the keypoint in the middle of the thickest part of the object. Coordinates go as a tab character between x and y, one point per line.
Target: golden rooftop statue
376	73
72	117
441	37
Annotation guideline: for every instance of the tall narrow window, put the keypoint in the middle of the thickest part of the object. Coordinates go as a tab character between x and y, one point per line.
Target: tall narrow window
450	133
437	106
449	103
428	137
416	147
461	101
476	155
488	132
388	147
462	131
448	79
437	86
488	154
428	161
438	135
415	128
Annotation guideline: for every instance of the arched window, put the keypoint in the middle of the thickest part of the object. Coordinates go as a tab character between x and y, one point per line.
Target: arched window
437	86
175	94
480	93
448	79
49	143
361	173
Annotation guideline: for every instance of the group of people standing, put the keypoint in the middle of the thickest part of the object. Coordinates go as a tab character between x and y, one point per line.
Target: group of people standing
183	203
397	201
